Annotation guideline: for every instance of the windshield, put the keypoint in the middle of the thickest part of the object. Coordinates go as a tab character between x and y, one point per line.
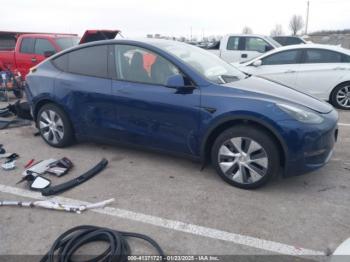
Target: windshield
207	64
67	42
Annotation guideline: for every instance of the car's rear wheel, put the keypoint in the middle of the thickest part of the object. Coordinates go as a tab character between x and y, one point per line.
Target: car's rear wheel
340	97
54	126
245	157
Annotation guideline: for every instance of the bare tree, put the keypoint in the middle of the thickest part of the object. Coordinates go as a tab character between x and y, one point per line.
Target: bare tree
247	30
296	24
278	30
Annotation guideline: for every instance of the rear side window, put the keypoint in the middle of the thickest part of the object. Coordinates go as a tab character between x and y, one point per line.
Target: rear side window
346	59
315	56
42	46
90	61
61	62
233	43
282	58
27	46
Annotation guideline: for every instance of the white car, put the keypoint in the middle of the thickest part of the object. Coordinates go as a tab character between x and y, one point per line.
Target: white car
322	71
240	48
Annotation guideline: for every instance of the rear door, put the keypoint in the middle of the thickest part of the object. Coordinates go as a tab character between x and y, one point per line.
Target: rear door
320	72
281	67
84	86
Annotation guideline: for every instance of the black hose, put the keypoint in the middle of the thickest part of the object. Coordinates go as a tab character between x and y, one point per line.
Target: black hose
118	250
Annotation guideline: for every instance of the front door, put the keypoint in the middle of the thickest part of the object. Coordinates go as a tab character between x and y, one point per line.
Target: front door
148	113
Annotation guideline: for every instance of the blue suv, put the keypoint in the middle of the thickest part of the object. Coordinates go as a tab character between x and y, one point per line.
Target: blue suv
174	97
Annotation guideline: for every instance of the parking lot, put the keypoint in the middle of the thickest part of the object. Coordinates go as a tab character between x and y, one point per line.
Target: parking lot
186	210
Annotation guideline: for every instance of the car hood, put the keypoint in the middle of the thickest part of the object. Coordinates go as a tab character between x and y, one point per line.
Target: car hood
267	89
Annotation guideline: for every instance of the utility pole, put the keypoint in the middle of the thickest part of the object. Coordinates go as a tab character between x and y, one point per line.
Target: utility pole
307	16
191	35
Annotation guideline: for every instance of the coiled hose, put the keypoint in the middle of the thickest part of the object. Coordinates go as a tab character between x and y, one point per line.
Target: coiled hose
118	250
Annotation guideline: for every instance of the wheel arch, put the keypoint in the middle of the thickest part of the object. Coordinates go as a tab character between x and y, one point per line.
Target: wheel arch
216	130
46	101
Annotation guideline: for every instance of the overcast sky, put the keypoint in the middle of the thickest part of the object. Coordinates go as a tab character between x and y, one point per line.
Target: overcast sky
169	17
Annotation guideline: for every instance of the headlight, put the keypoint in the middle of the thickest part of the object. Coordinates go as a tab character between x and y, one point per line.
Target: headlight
302	115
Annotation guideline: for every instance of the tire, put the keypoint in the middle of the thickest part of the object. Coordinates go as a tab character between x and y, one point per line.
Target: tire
54	126
245	156
340	97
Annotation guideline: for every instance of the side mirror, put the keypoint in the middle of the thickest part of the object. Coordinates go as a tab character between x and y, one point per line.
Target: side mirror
40	183
175	81
49	53
257	63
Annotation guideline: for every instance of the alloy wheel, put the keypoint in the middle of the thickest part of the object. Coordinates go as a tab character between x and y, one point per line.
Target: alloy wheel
243	160
51	126
343	96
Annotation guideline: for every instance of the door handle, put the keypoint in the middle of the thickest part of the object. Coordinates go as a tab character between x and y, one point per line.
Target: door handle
290	71
34	59
244	56
339	68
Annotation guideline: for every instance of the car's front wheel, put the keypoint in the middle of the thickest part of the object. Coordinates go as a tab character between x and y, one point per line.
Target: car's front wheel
245	156
54	126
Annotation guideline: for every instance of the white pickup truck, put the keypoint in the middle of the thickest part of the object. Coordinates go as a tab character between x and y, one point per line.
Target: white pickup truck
241	48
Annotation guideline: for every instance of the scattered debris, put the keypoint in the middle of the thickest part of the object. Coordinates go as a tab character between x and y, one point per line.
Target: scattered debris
56	205
9	165
76	181
118	247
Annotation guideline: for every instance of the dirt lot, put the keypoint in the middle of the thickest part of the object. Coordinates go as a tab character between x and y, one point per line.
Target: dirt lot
187	211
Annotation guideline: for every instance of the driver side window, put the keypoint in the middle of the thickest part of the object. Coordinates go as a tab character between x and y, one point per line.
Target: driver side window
256	44
136	64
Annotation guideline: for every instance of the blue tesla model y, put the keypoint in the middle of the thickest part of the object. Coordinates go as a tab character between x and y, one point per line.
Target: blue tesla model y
174	97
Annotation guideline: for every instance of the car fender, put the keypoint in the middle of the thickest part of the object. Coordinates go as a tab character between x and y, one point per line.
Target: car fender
242	116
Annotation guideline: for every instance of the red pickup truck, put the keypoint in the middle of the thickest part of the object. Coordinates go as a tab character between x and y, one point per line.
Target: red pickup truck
21	51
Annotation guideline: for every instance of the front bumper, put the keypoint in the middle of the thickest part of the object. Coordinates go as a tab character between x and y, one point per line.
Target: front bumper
311	146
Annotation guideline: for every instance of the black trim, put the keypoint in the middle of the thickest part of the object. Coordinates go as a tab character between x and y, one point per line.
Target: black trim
76	181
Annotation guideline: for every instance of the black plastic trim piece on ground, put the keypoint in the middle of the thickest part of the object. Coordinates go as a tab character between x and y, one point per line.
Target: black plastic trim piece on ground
76	181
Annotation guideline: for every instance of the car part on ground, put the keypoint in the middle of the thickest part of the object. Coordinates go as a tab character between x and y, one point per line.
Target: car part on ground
48	204
9	165
16	122
118	248
76	181
60	167
39	183
10	161
54	126
39	168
